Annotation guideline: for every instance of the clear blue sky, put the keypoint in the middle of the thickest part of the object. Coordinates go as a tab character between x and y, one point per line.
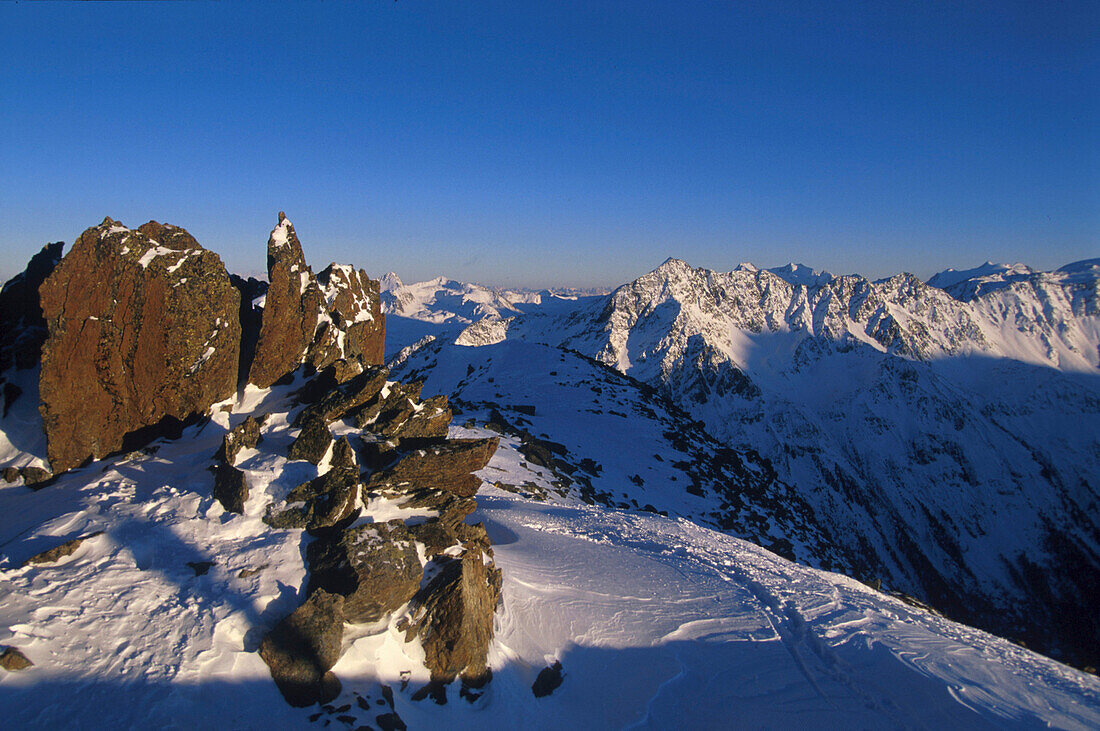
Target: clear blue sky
560	143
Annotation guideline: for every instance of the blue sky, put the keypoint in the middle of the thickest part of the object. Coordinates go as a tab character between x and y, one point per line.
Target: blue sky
536	144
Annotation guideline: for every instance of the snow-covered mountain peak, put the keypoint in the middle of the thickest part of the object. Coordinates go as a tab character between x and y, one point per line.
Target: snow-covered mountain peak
949	278
389	282
800	274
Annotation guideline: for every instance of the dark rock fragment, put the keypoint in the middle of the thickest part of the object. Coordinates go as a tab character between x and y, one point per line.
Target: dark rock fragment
245	435
58	552
201	568
230	487
301	650
12	659
312	442
374	567
548	680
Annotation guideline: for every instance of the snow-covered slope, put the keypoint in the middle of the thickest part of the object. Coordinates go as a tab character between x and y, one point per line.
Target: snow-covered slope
656	621
952	438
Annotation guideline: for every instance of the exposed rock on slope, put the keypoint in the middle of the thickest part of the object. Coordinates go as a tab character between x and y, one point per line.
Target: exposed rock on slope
22	327
334	318
143	329
375	568
948	437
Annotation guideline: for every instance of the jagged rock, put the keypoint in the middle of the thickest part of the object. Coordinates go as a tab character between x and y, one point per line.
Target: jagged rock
11	474
342	453
245	435
230	487
311	443
59	552
398	399
12	659
292	308
341	399
454	618
143	333
445	466
429	420
355	332
374	567
301	650
319	503
331	320
22	326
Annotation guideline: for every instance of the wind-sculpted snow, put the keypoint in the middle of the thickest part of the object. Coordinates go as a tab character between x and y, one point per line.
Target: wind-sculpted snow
952	438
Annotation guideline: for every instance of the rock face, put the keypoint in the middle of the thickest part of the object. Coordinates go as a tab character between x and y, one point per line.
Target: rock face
143	330
22	327
301	650
331	320
374	567
445	466
455	618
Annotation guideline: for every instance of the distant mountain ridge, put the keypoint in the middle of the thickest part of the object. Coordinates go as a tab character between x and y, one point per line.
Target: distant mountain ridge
951	436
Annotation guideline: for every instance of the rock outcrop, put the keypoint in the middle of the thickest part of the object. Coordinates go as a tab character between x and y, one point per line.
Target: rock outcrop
143	333
333	319
435	564
22	326
374	567
454	618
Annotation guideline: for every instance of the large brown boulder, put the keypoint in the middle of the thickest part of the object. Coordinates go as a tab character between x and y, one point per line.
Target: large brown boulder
331	320
143	331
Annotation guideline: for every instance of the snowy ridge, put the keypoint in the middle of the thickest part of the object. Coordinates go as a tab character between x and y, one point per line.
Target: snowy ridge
955	444
656	621
442	300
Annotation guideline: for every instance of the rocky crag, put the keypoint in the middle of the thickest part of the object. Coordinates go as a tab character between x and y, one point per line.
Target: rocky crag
138	332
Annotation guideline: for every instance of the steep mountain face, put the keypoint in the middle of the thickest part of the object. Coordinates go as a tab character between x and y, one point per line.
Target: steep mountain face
952	438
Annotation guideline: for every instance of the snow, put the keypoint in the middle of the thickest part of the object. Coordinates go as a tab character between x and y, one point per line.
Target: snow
658	622
147	258
280	234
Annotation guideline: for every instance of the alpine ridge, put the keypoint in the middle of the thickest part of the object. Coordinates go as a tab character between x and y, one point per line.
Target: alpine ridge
946	437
